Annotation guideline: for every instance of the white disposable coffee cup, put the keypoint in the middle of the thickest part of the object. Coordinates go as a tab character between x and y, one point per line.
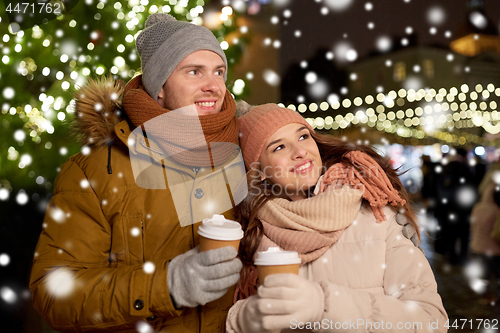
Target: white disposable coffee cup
276	261
217	231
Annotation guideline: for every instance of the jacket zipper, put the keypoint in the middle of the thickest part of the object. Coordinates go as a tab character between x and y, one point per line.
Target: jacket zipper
143	247
199	308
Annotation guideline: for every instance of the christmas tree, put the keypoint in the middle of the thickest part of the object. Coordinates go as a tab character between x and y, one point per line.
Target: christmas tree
48	56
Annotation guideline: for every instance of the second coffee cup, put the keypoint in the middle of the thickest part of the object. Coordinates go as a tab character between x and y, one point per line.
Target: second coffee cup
275	261
217	231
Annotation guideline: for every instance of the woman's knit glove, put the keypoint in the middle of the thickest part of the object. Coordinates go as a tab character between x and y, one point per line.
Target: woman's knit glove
285	299
196	278
250	317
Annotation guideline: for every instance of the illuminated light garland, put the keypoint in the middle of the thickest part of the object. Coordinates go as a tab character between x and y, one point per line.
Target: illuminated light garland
430	117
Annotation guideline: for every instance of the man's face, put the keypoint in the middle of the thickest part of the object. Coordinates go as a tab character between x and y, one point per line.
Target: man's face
198	80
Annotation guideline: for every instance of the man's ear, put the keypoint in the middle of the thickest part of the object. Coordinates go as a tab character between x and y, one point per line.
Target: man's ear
161	94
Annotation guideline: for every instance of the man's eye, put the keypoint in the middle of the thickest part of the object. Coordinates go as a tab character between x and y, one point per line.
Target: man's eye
221	72
194	72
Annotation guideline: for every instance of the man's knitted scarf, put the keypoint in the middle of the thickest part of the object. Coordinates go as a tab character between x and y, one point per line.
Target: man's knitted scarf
179	137
311	226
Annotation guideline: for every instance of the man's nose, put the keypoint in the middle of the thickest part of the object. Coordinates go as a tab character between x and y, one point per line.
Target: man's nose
210	83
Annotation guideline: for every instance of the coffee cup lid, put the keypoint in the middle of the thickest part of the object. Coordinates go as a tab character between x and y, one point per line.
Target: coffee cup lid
274	256
219	228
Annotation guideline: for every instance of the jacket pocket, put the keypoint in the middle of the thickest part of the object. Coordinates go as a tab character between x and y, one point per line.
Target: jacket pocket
128	240
134	234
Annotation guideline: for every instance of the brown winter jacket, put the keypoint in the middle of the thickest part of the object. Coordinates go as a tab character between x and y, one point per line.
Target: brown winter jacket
101	228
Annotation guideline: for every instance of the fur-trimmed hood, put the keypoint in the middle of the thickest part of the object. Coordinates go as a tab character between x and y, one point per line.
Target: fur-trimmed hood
97	111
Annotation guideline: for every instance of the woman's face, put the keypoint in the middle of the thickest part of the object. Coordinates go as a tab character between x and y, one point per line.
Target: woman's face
291	158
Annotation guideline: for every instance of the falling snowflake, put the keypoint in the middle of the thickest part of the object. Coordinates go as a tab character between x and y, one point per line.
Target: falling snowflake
436	15
351	55
8	295
474	269
135	231
496	177
4	259
143	327
26	160
466	196
311	77
19	135
413	82
271	77
149	267
85	150
57	214
338	5
319	89
22	198
383	44
281	3
4	194
61	282
345	52
478	285
9	93
478	20
84	183
333	98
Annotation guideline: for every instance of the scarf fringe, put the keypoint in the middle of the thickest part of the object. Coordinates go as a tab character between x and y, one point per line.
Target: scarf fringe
377	188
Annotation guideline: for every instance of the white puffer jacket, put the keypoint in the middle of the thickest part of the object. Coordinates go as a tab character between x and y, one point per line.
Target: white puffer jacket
374	280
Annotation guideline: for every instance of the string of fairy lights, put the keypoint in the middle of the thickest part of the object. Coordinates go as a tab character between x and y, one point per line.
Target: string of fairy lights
415	114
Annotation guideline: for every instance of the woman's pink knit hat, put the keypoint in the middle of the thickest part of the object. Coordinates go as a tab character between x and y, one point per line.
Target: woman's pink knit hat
259	123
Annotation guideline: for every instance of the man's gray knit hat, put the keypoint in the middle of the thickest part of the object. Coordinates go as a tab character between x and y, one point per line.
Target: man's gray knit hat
165	42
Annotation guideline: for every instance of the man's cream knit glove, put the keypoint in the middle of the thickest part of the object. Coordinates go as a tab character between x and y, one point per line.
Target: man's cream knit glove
283	300
196	278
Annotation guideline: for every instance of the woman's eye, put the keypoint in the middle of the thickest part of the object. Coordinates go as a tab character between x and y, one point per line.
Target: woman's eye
304	137
278	148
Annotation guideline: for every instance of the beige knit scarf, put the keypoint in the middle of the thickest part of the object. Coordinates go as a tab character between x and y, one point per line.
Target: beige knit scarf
309	227
180	136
